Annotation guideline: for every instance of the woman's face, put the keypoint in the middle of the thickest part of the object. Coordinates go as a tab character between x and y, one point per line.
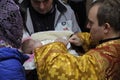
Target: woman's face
42	6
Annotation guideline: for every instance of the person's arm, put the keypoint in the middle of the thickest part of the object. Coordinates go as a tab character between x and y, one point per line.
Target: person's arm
49	48
81	39
53	61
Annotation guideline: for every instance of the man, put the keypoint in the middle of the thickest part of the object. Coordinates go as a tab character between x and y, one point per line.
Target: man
99	63
45	15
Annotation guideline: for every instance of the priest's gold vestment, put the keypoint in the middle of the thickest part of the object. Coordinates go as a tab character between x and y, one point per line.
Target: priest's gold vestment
54	62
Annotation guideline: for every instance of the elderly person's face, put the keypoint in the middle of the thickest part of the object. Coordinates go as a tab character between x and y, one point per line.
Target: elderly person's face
42	6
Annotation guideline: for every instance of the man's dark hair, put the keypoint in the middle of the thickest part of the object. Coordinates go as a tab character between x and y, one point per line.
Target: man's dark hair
109	12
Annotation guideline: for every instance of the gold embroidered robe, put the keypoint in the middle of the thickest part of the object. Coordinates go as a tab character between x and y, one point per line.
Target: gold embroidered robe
54	62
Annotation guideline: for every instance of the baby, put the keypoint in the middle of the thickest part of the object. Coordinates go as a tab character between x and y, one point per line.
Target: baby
51	36
28	47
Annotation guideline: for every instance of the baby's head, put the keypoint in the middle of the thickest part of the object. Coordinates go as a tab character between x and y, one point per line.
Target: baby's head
29	45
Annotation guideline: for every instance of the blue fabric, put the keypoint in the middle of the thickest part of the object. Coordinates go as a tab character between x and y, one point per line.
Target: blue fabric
11	61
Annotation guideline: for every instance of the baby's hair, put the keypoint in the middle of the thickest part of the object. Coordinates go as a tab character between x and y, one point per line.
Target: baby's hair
27	46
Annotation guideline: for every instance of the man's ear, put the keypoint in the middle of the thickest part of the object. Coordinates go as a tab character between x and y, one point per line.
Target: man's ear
106	28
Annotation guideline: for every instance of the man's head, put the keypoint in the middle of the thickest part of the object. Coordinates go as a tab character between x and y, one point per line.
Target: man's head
42	6
104	19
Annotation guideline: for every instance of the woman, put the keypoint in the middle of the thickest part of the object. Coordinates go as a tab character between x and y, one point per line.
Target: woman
11	28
